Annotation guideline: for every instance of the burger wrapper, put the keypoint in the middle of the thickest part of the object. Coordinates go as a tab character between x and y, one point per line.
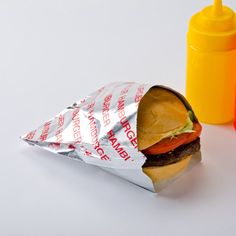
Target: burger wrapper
100	129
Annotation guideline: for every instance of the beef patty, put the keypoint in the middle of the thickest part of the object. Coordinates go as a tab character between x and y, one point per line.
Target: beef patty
173	156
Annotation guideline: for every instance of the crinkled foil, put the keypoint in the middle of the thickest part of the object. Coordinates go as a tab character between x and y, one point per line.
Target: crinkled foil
99	129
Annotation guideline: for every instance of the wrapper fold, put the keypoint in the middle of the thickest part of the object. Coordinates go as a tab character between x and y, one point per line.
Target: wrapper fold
101	129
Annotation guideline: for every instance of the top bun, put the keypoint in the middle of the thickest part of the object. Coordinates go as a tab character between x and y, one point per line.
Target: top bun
160	111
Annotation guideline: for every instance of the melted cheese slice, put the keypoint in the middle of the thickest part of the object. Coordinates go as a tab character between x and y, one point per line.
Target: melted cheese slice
164	173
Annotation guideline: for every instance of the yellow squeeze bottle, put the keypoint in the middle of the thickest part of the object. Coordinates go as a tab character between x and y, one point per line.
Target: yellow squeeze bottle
211	63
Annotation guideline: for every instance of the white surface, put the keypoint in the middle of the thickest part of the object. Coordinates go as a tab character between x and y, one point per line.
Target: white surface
55	52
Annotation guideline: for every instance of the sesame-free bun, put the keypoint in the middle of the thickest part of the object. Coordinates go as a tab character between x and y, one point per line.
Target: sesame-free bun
160	111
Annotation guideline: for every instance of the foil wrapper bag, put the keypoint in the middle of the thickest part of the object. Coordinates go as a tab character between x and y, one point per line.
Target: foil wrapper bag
101	130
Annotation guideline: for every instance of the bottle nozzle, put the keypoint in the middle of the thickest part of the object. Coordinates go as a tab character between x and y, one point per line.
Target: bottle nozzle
217	8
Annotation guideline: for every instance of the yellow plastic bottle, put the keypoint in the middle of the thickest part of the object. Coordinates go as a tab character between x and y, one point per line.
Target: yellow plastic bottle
211	63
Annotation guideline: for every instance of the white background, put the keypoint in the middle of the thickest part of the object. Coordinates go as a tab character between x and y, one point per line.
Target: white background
53	53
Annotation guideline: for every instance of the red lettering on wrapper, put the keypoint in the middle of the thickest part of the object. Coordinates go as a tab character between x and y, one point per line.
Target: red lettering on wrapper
139	94
101	89
71	146
82	100
132	138
59	130
30	135
76	126
94	132
117	146
105	110
86	152
77	131
130	134
44	134
54	145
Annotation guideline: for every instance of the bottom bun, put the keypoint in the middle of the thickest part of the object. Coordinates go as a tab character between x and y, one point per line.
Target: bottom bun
161	176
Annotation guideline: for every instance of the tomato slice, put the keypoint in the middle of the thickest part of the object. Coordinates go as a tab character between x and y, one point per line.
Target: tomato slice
169	144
